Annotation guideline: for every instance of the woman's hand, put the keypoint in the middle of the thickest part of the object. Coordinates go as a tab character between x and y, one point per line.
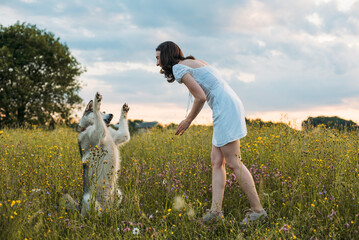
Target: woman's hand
182	127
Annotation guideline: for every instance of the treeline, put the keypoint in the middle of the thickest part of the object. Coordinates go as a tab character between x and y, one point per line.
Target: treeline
309	124
313	122
330	122
259	123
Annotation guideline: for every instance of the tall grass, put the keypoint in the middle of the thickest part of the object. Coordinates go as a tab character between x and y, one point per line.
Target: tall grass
307	181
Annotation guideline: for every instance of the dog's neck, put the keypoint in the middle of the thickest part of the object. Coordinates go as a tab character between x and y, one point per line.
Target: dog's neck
84	129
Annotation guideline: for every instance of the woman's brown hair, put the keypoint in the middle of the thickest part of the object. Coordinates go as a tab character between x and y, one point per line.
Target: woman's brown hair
170	55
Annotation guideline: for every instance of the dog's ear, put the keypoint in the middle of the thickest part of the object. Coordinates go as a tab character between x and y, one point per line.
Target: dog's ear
89	107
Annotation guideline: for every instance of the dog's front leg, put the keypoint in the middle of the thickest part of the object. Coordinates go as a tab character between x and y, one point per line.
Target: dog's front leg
122	135
100	127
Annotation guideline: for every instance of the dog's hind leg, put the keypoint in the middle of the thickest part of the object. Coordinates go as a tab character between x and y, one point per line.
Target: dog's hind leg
122	135
90	203
69	203
119	195
118	198
86	178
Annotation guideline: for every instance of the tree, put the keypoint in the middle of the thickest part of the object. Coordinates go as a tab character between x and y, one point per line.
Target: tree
38	77
330	122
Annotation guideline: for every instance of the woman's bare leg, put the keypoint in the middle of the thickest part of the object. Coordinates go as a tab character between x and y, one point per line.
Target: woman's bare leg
232	154
218	178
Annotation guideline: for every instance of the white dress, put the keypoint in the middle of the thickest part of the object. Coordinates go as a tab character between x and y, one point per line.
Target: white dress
229	122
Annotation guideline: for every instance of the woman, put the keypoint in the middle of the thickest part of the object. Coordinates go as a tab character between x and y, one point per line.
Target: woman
229	124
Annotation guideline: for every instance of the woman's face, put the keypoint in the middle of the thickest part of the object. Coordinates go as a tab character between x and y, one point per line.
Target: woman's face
158	53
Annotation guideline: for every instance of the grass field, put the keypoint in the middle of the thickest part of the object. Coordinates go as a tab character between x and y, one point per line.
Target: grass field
307	182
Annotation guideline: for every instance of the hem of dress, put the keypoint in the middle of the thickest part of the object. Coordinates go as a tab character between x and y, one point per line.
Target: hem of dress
231	140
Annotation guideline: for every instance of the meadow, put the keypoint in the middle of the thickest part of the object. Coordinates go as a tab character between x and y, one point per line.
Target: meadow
307	182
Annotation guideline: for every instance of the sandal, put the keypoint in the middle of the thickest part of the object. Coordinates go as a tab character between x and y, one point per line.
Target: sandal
253	216
212	215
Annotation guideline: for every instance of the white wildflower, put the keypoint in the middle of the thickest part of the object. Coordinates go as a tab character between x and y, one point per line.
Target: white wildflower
136	231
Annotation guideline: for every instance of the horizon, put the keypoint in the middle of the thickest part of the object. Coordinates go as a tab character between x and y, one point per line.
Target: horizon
205	118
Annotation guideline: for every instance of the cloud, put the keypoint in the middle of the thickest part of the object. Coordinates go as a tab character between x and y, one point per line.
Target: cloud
28	1
352	102
8	15
342	5
255	17
315	19
246	77
92	85
105	68
278	56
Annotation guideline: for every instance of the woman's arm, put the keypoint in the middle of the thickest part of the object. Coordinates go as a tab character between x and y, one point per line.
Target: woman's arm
199	100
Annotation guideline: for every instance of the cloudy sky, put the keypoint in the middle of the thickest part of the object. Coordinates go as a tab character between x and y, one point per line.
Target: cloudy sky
287	60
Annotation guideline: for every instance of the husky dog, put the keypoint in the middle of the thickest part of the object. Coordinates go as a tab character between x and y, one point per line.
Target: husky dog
98	145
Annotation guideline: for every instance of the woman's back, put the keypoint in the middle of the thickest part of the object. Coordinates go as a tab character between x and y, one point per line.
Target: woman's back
193	63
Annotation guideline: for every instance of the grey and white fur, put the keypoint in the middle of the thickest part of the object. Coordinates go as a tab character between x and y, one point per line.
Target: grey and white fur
100	156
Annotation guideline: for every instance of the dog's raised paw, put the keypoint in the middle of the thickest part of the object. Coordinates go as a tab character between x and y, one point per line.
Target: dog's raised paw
125	108
98	97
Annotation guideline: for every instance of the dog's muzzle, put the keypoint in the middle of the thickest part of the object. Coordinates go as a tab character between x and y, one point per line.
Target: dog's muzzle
108	120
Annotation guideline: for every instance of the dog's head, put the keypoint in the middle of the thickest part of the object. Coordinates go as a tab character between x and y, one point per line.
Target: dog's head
88	118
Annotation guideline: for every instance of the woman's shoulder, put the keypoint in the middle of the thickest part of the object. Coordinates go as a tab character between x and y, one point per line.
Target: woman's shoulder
193	63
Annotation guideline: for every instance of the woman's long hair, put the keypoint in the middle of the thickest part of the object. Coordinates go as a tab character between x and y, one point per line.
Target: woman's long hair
170	55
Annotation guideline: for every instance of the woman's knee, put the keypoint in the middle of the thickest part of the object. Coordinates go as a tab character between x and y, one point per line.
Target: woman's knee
217	160
234	162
